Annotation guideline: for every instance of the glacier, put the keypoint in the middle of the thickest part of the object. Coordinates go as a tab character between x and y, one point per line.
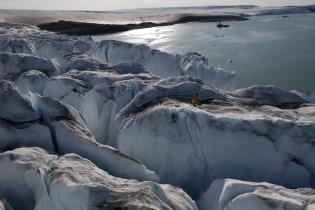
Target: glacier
95	124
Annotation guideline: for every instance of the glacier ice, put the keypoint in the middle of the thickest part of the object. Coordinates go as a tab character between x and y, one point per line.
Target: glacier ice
16	45
34	179
188	145
309	96
4	205
163	64
84	62
238	195
149	118
270	95
127	109
55	126
12	65
32	80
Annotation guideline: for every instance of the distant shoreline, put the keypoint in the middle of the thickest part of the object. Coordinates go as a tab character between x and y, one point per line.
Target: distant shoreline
83	28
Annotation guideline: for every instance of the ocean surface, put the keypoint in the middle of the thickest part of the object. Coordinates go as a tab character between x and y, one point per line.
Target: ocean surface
277	50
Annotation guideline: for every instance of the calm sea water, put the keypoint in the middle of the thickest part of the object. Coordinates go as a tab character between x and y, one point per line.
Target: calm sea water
265	50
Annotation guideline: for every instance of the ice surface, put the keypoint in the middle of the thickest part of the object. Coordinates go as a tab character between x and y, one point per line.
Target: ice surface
310	96
34	179
195	142
152	119
14	106
163	64
84	62
33	81
16	46
270	95
14	64
4	205
237	195
48	123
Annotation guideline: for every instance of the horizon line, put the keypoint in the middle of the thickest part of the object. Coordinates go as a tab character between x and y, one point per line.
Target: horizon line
162	7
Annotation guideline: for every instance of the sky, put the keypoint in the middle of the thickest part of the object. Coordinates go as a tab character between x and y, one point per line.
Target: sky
129	4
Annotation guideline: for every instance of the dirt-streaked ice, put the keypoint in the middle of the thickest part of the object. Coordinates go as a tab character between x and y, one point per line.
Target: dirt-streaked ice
34	179
239	195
